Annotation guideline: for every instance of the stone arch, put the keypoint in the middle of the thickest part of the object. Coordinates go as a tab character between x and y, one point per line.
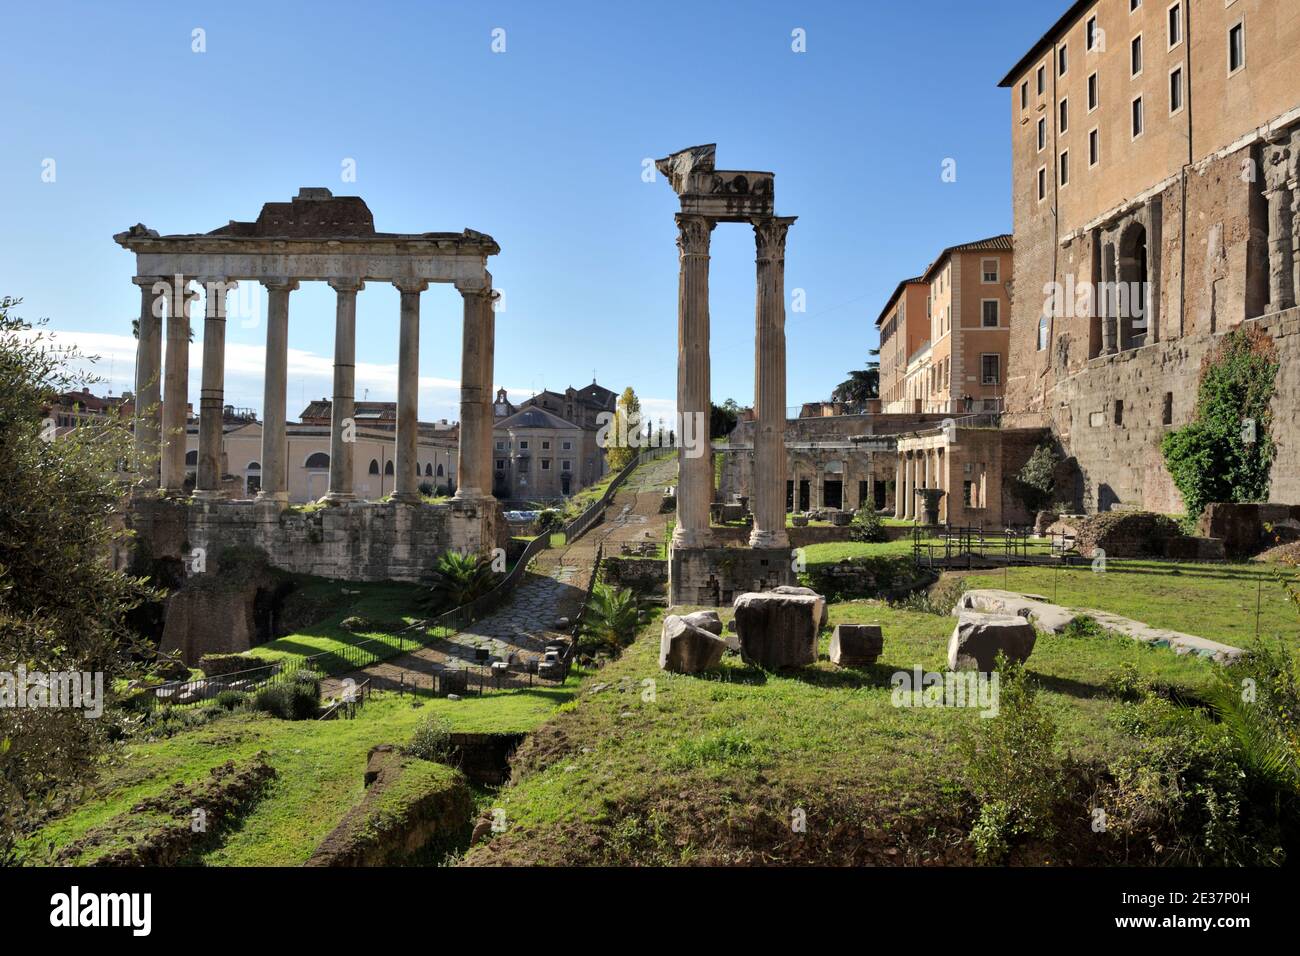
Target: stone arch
374	466
192	457
317	460
388	467
1133	278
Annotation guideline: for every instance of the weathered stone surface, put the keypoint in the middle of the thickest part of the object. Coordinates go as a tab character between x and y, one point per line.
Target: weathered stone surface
1242	527
707	620
685	648
977	638
856	645
823	613
778	630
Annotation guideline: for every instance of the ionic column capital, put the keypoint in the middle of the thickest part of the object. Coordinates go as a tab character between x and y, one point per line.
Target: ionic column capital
408	284
278	284
345	286
693	234
150	281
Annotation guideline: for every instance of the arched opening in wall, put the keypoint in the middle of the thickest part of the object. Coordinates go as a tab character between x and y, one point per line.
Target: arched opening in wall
191	458
388	467
1133	290
317	460
374	466
440	473
428	471
252	478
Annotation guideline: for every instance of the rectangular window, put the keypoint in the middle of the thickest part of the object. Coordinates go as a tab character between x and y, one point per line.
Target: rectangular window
990	369
523	446
1093	100
522	466
568	445
1042	183
546	464
501	446
501	464
1094	148
1137	118
1236	47
546	446
989	313
1135	56
989	270
1024	95
566	465
1065	115
1042	134
1175	24
1065	168
1043	326
1042	80
1175	89
1090	33
1062	62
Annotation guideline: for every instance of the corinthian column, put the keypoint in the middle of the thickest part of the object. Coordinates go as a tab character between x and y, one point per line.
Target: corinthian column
148	379
343	403
476	361
695	462
275	474
769	385
408	391
176	387
212	392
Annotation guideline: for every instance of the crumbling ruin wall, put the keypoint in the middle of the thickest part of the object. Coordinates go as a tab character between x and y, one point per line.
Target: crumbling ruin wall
1112	415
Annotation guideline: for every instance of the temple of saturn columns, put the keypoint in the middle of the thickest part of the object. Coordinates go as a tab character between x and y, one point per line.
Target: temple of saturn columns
316	237
700	571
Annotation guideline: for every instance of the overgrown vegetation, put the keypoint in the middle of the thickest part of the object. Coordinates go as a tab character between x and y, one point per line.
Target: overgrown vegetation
1013	768
63	607
1226	452
432	738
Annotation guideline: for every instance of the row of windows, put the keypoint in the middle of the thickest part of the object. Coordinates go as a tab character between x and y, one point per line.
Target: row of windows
522	466
522	444
1236	59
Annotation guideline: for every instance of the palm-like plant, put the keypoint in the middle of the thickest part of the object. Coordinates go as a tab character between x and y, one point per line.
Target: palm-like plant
612	616
459	578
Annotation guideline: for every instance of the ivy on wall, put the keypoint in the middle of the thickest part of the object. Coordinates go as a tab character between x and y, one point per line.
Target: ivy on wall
1219	456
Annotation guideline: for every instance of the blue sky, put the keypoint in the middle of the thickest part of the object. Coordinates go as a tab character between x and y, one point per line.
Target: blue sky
541	146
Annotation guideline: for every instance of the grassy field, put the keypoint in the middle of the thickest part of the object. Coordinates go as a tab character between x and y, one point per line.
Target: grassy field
1216	601
389	606
319	764
714	769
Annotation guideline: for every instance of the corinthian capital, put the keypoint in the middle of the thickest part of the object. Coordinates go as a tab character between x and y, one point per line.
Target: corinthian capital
769	236
693	234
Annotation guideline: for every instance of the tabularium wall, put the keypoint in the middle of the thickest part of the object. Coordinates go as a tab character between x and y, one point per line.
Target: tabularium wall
1111	416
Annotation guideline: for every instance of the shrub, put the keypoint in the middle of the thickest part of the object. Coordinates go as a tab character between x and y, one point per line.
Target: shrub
1012	766
427	489
230	699
215	665
1036	482
549	520
432	738
356	623
293	700
868	525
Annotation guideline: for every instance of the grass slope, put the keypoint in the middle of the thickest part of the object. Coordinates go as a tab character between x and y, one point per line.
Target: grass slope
716	770
320	768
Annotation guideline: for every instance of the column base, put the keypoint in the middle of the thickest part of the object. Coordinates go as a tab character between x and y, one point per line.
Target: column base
769	539
406	497
338	498
273	497
469	495
692	538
